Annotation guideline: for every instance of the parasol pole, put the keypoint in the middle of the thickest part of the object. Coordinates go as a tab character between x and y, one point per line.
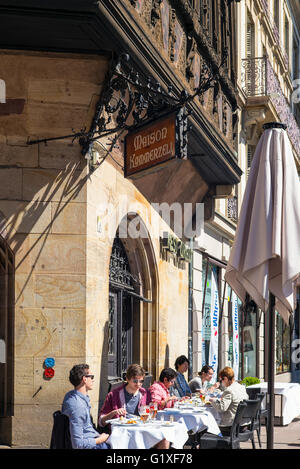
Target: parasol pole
271	358
271	373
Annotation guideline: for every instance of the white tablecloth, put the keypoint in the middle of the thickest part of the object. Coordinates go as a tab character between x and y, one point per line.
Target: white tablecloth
195	421
144	436
290	398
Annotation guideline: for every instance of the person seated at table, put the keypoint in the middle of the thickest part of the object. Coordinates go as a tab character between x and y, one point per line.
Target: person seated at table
127	398
227	405
180	385
76	406
160	390
202	383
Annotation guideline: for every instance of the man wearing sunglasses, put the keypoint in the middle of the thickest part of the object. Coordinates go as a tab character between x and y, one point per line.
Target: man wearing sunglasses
128	398
76	406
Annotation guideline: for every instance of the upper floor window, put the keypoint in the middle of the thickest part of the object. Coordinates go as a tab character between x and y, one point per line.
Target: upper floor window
296	53
286	35
250	37
276	7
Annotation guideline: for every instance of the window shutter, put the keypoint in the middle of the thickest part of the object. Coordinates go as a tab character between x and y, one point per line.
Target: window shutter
250	154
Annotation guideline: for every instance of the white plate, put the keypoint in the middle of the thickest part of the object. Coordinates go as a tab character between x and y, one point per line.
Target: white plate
121	424
172	410
165	424
112	421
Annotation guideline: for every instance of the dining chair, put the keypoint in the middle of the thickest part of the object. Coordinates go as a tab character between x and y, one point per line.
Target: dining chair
247	427
114	384
261	414
147	381
210	441
60	436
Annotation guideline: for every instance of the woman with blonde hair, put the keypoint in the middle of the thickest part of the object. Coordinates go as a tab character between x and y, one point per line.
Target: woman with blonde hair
227	405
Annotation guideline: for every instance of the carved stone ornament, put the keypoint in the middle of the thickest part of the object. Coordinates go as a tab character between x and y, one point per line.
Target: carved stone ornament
155	11
251	120
165	24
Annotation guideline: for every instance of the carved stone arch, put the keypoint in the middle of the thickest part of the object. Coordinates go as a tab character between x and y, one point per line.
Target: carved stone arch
143	292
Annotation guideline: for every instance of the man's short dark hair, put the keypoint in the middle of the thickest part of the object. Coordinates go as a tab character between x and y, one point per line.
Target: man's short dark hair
77	373
181	360
168	373
205	369
134	370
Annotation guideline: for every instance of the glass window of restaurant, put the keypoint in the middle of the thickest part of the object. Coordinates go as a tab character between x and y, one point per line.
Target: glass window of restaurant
295	351
248	331
249	339
283	345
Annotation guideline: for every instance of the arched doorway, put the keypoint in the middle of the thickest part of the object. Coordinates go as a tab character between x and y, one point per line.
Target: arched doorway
6	328
132	324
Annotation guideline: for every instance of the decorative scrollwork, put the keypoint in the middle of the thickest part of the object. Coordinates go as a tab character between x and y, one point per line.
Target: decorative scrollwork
129	99
259	79
119	270
232	208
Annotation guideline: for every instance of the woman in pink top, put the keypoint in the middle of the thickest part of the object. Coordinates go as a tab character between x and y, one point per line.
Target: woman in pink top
160	389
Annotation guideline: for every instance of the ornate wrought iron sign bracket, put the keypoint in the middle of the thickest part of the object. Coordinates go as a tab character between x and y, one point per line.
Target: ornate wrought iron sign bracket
128	101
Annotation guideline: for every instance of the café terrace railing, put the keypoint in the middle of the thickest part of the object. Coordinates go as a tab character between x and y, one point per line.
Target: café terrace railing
259	79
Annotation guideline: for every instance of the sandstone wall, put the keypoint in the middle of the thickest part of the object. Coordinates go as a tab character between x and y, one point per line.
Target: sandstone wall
50	203
43	199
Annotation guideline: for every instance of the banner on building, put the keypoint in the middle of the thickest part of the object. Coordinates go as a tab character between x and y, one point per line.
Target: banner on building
235	335
214	338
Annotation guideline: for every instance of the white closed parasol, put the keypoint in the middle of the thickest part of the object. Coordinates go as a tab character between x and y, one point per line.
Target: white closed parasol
265	258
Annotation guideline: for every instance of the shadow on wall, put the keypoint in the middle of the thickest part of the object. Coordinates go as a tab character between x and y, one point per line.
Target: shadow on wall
58	185
167	357
103	372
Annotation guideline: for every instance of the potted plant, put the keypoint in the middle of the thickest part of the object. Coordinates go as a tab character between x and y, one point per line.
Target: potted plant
249	380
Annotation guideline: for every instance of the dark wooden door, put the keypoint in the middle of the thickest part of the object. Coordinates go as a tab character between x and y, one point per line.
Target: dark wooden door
120	322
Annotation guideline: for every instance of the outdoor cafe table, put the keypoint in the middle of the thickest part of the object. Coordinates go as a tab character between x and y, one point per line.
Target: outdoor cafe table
196	419
146	435
290	395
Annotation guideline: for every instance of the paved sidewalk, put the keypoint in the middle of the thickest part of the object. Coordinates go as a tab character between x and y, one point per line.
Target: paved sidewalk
287	437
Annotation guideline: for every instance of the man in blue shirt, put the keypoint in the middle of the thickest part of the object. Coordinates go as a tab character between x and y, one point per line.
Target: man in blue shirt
76	406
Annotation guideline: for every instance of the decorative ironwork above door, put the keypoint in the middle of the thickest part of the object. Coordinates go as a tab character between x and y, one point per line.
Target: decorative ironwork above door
129	99
119	270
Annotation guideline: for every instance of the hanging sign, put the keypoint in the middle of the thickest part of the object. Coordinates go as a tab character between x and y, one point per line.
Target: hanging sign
214	338
235	335
153	145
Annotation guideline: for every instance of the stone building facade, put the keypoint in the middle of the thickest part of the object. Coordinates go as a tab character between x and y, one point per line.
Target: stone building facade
72	288
267	73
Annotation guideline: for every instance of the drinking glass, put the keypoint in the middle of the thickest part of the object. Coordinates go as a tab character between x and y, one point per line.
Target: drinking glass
153	410
144	412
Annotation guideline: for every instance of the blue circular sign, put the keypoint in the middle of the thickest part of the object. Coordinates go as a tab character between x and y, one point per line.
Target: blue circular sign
49	362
